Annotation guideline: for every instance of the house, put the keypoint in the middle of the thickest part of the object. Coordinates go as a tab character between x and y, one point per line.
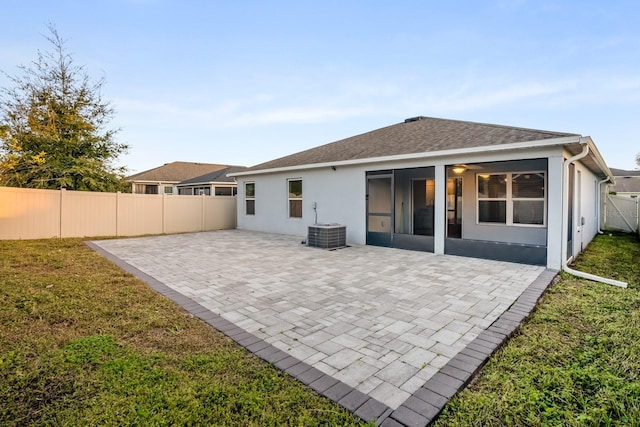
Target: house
627	182
437	185
215	183
167	179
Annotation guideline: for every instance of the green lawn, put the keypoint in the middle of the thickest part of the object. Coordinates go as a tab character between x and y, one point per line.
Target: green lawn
576	361
84	343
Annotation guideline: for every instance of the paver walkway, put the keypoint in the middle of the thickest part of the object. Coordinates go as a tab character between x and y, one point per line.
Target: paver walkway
380	320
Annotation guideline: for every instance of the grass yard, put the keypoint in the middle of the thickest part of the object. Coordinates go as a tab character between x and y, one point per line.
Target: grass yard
83	343
576	361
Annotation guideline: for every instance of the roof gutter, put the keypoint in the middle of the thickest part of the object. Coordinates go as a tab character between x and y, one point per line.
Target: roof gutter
565	214
424	155
597	157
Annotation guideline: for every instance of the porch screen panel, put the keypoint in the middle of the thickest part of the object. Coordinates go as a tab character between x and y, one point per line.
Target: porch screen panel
423	201
379	205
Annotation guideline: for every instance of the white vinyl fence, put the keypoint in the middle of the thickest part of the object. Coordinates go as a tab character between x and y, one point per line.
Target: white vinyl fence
621	213
35	214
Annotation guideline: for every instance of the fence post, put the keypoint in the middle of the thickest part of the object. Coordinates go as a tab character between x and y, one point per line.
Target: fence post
62	190
164	207
117	212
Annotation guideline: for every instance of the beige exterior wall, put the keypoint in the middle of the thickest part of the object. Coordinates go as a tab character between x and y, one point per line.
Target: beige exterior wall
36	214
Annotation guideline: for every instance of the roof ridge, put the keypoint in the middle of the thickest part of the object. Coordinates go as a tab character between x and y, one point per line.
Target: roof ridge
494	125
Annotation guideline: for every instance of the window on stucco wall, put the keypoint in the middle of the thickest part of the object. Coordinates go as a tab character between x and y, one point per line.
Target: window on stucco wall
295	198
250	198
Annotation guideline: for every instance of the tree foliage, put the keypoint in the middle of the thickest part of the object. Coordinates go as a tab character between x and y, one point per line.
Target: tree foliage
53	127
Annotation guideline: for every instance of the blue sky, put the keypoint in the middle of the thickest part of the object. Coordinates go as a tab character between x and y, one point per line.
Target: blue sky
242	82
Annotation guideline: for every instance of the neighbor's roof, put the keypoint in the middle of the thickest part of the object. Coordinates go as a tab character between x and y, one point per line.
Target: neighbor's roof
627	184
416	135
622	172
216	176
176	172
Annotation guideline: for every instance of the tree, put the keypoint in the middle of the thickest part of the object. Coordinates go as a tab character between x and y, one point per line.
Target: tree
53	127
638	159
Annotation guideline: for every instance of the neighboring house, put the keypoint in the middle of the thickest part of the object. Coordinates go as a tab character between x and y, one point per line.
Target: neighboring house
627	182
215	183
167	178
443	186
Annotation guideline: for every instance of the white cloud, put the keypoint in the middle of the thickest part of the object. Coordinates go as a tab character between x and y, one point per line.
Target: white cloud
490	97
342	100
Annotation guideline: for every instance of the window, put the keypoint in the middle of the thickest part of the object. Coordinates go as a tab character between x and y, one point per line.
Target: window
492	198
295	198
168	190
223	191
195	191
151	189
202	191
250	198
528	198
514	198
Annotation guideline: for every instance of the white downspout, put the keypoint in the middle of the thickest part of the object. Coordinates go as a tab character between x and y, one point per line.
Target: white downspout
600	203
565	225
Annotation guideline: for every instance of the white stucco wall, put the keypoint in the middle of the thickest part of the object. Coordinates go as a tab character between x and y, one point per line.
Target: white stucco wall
554	211
586	200
340	196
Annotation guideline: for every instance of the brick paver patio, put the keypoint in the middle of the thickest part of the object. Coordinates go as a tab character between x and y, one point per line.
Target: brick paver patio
394	325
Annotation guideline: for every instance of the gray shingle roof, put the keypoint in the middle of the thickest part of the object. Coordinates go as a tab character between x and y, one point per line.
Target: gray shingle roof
627	184
176	171
623	172
417	135
216	176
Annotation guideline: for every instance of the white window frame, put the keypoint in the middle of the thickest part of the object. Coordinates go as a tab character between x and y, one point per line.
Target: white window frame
290	199
246	198
509	199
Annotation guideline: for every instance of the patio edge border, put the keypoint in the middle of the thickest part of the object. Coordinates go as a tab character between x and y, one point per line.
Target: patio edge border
423	406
